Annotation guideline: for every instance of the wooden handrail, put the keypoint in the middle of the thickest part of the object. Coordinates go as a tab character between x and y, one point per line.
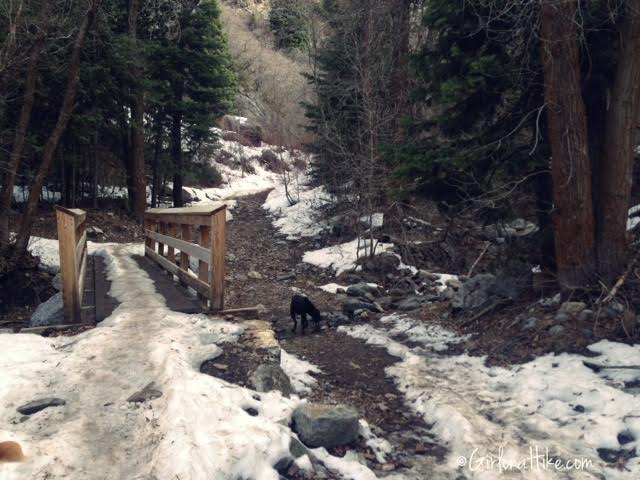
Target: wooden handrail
72	242
163	225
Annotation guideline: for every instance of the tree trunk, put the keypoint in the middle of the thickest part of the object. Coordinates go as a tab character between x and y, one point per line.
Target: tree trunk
176	148
570	166
137	127
155	183
64	116
615	171
21	128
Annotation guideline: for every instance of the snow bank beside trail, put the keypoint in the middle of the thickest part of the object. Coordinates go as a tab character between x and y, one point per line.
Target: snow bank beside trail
300	219
298	371
48	251
551	406
342	257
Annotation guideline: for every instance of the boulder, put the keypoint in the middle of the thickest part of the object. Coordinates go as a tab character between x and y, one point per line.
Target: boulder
383	263
350	306
270	376
325	425
249	133
48	313
363	289
474	293
485	289
231	136
409	303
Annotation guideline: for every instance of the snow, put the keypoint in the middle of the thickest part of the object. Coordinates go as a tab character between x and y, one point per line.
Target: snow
300	219
482	413
441	282
298	371
332	287
376	220
21	194
634	217
197	429
342	257
48	251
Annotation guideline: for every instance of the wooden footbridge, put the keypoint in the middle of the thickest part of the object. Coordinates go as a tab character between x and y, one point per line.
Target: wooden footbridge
184	256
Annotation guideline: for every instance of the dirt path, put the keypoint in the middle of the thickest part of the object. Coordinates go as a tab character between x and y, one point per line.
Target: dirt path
353	372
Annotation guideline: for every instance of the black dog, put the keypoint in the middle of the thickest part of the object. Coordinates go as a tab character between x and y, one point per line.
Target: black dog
301	305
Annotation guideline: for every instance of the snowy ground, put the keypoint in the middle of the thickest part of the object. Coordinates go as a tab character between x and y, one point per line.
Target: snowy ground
516	422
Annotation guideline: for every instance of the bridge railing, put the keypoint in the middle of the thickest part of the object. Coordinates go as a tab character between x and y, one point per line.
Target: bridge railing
198	232
72	240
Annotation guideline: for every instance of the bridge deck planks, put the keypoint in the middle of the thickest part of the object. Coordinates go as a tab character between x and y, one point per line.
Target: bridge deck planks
176	296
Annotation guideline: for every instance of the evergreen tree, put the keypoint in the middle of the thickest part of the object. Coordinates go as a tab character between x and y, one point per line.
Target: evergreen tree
477	102
288	20
196	83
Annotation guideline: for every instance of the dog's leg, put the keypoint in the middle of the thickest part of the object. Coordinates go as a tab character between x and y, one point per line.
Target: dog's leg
295	322
303	318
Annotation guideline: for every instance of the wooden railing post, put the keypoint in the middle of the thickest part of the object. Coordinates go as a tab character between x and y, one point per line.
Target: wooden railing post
218	252
184	257
204	240
72	244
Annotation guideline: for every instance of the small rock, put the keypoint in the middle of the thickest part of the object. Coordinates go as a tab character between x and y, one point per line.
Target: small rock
561	317
556	330
221	366
572	308
251	411
578	408
289	276
270	376
255	275
38	405
530	324
150	392
94	232
325	425
48	313
585	315
625	437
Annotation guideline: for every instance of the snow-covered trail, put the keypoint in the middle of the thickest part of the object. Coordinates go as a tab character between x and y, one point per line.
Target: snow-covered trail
197	429
491	418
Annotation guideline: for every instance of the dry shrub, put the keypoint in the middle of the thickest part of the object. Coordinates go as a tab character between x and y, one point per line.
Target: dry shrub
272	84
